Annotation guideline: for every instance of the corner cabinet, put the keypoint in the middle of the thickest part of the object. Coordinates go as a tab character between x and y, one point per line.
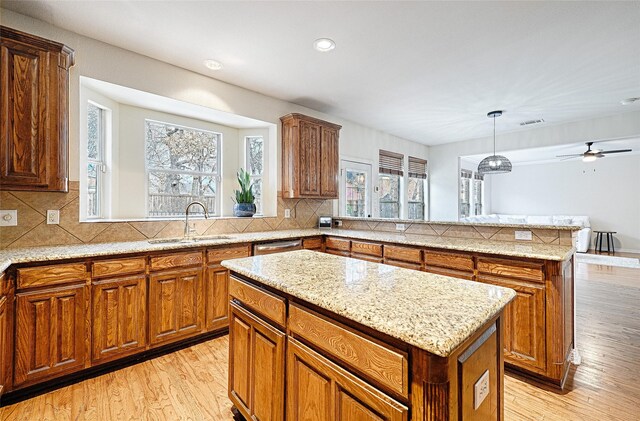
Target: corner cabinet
310	157
34	112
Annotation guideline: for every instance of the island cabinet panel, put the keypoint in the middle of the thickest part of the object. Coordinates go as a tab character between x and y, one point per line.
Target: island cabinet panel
266	304
515	269
404	257
256	366
34	112
51	333
524	324
318	389
375	360
216	286
309	157
338	246
119	317
176	307
366	251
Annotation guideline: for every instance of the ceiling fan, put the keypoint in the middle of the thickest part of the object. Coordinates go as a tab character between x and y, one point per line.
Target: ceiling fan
591	154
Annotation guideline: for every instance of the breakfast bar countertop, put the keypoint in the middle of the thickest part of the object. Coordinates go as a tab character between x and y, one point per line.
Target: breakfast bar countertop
432	312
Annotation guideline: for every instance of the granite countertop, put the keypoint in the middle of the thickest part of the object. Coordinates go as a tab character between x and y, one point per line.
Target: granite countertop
530	250
505	248
432	312
571	227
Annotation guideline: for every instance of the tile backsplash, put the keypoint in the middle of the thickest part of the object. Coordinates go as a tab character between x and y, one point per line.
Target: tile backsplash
32	229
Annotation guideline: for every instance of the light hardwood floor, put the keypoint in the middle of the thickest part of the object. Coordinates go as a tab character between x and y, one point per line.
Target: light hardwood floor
191	384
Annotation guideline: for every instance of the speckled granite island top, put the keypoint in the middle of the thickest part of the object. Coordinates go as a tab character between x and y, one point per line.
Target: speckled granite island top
432	312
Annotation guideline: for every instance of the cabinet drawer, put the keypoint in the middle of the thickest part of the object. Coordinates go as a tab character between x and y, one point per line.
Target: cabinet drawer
312	243
450	272
338	244
119	266
263	302
406	254
219	254
366	257
370	249
51	275
449	260
170	261
381	363
401	264
338	252
511	269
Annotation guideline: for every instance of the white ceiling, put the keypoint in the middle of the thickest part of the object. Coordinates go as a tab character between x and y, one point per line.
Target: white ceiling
549	153
425	71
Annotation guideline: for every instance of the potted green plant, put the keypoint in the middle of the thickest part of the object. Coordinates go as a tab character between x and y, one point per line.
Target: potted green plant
245	200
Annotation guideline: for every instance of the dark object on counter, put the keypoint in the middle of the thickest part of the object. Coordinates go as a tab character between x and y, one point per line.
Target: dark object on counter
610	246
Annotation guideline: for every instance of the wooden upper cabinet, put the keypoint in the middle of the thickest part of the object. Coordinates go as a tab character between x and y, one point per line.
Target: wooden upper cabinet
310	157
34	112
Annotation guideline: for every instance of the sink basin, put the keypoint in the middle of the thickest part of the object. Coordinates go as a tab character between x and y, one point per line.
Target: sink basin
189	240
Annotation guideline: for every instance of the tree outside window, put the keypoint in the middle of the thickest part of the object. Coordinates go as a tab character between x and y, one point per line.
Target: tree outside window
255	167
182	166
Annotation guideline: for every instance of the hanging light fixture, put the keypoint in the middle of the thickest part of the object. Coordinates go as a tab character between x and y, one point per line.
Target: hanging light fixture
494	164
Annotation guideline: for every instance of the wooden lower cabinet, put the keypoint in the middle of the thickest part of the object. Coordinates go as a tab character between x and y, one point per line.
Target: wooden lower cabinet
318	389
51	333
216	298
119	317
4	337
256	366
525	324
176	307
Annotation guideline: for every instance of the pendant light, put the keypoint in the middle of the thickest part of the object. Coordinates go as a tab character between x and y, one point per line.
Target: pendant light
494	164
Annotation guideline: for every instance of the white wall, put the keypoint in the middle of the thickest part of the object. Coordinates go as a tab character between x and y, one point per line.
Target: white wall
105	62
444	158
607	190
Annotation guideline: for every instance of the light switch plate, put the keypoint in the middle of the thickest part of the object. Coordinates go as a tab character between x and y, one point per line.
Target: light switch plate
53	217
287	213
481	390
399	227
8	218
524	235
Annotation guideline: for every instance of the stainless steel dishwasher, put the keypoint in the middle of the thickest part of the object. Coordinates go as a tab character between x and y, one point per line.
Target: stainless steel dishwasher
277	247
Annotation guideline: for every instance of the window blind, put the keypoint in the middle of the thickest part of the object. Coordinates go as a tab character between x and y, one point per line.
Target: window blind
477	176
417	167
391	162
465	173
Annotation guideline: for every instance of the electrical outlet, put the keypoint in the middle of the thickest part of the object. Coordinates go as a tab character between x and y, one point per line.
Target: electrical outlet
481	390
399	227
287	213
8	218
53	217
524	235
337	223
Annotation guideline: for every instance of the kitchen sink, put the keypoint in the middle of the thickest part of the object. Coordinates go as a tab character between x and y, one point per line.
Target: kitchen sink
189	240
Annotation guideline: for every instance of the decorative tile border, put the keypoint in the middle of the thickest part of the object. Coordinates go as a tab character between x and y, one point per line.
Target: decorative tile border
32	229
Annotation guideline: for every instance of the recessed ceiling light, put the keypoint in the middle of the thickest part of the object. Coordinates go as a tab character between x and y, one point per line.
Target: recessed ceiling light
213	64
324	44
628	101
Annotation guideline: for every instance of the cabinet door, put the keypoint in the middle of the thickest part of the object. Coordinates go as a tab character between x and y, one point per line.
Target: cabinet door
51	333
175	305
318	389
4	352
216	298
24	133
329	163
309	168
524	324
119	317
256	366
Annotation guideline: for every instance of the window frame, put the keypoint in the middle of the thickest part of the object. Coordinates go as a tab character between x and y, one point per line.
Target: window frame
399	201
390	164
216	176
477	179
421	202
247	139
464	176
418	172
100	161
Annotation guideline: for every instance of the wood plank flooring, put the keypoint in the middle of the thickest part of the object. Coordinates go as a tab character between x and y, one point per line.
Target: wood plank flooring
191	384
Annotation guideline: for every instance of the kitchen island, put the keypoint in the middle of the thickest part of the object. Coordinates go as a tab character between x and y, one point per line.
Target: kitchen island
351	340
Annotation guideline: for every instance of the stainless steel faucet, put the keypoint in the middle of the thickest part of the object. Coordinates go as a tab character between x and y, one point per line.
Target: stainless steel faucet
187	229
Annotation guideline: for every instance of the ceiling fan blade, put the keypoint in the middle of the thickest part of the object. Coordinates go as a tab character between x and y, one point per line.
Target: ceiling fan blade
616	151
569	156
